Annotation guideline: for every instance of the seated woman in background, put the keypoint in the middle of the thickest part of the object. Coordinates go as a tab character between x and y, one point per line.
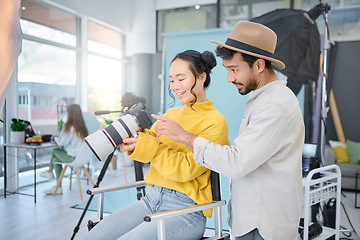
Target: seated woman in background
174	178
69	141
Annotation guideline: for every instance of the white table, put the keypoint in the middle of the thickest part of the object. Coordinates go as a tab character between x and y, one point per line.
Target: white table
34	147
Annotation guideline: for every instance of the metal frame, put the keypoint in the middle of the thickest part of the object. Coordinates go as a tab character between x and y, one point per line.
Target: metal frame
161	217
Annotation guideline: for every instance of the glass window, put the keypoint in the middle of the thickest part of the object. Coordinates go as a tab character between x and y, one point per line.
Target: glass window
105	68
43	21
47	68
185	19
343	19
104	84
232	11
46	73
104	40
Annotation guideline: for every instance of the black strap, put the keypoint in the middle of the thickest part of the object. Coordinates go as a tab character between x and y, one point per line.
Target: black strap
240	45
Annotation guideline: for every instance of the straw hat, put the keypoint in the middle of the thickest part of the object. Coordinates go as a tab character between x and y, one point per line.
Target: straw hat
253	39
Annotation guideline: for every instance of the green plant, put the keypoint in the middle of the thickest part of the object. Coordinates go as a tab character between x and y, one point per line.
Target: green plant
18	125
60	125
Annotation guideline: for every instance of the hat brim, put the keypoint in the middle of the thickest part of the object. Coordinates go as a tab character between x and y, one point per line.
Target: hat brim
277	63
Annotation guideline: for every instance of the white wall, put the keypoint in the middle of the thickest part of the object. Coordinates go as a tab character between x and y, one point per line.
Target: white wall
142	36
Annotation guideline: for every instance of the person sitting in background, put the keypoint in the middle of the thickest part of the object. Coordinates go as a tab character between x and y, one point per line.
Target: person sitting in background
69	141
175	179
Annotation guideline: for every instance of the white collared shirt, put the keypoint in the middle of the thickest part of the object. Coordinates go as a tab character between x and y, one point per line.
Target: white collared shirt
70	142
264	164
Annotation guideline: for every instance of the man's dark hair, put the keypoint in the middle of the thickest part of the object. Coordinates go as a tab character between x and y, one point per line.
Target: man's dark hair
226	53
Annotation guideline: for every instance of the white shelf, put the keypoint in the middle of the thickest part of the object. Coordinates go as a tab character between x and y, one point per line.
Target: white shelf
319	190
326	233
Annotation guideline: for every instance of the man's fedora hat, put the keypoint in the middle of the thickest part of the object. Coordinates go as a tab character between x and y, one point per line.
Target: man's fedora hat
253	39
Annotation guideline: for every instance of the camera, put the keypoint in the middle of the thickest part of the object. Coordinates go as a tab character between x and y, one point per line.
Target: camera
103	142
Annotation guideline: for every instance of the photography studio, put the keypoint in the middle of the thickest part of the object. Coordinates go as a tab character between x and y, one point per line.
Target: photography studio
181	119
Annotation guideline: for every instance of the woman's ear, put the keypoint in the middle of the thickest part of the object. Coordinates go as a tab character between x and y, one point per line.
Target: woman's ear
202	77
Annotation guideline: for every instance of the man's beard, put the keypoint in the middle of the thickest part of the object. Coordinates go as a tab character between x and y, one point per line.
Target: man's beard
252	85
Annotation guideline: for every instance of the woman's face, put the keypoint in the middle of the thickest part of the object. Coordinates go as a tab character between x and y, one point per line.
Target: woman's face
181	81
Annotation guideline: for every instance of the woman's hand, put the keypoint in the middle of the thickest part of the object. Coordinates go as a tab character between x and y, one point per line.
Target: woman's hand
128	144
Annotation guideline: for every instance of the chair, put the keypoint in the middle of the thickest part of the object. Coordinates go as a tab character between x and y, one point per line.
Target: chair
161	217
91	122
92	125
83	157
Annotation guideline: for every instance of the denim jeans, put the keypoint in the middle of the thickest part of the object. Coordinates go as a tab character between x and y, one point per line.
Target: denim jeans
128	222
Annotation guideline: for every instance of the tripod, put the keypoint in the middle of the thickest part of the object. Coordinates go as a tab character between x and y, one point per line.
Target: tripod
139	176
99	179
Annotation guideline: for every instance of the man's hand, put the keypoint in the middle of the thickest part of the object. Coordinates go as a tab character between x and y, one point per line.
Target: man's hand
128	144
174	131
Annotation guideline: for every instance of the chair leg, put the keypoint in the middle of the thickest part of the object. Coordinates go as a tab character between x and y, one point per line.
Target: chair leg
113	162
87	175
71	173
78	178
58	183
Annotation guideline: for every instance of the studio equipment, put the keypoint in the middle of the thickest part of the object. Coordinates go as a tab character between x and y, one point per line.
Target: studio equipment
104	142
298	46
315	230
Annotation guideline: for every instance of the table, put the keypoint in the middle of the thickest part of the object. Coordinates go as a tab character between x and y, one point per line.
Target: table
26	146
356	187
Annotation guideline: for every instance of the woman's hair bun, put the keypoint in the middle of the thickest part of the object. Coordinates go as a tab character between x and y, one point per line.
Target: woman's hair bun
209	59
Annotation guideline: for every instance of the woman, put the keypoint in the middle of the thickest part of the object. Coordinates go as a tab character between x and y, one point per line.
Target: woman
70	141
174	178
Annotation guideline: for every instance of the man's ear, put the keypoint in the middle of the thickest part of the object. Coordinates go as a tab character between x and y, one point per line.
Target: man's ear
259	65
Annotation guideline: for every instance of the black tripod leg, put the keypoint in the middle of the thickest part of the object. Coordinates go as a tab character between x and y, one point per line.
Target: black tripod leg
99	179
139	176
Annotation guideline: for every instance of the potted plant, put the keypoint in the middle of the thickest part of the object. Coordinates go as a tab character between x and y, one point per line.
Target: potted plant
17	134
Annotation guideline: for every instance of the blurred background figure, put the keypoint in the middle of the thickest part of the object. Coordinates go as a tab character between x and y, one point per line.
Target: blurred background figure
69	141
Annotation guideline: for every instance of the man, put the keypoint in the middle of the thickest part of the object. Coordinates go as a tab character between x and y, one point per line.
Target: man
264	162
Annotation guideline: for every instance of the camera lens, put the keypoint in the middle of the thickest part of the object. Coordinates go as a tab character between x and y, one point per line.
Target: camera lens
103	142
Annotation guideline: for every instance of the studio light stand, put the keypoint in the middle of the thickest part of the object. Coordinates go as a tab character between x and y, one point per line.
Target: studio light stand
324	107
324	10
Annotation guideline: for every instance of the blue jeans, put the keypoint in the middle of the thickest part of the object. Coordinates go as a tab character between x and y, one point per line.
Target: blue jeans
128	222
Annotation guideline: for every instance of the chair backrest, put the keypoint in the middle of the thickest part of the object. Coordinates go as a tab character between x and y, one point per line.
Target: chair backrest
91	122
83	157
215	186
215	180
92	125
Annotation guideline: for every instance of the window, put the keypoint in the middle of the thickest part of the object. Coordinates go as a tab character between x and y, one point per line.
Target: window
46	22
233	11
105	67
50	69
185	19
47	65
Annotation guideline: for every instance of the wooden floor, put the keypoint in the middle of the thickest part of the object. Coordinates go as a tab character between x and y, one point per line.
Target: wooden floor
53	218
